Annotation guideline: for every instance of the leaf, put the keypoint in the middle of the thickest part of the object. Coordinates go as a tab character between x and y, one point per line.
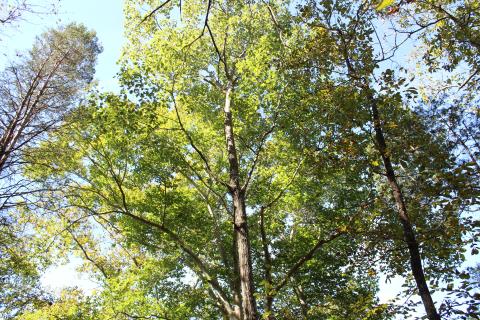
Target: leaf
385	3
464	275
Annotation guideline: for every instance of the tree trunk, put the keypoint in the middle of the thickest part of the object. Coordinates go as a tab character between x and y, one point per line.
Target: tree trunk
408	232
301	299
241	240
267	266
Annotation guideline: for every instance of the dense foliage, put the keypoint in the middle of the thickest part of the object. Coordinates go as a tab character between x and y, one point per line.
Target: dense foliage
263	160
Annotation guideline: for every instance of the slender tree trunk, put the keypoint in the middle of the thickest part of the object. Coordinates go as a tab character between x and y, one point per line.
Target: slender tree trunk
237	296
301	299
244	258
241	239
267	267
408	232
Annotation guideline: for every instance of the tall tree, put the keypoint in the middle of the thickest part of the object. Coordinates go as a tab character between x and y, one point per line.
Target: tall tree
35	93
451	56
352	25
37	90
193	163
263	162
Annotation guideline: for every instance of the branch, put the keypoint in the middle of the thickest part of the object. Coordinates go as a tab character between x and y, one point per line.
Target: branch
152	316
257	154
267	261
204	24
282	192
275	22
217	50
87	256
197	186
192	143
468	80
113	236
153	12
309	255
212	281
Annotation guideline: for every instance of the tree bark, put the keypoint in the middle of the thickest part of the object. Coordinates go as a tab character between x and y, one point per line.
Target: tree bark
241	239
408	232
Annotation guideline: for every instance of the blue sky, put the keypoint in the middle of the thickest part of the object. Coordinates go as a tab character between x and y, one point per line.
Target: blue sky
104	16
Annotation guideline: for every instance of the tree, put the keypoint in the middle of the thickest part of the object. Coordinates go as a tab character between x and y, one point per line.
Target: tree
352	26
449	91
14	11
193	163
261	161
35	93
452	48
19	271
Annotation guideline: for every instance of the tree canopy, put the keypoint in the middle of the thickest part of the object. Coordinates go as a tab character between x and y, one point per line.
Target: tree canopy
262	160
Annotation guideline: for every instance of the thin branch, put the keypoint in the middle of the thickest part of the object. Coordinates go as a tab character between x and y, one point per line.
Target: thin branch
309	255
257	156
154	11
87	256
204	25
217	50
192	143
282	192
205	274
468	80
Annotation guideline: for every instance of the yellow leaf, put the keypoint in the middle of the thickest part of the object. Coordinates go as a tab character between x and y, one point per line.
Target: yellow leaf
384	3
440	23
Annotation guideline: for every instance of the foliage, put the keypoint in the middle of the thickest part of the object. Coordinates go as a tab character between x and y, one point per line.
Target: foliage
260	161
35	93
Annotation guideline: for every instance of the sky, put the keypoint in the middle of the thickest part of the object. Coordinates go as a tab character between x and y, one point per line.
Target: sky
103	16
106	18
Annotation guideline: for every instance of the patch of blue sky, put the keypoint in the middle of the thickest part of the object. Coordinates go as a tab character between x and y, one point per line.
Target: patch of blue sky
105	17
